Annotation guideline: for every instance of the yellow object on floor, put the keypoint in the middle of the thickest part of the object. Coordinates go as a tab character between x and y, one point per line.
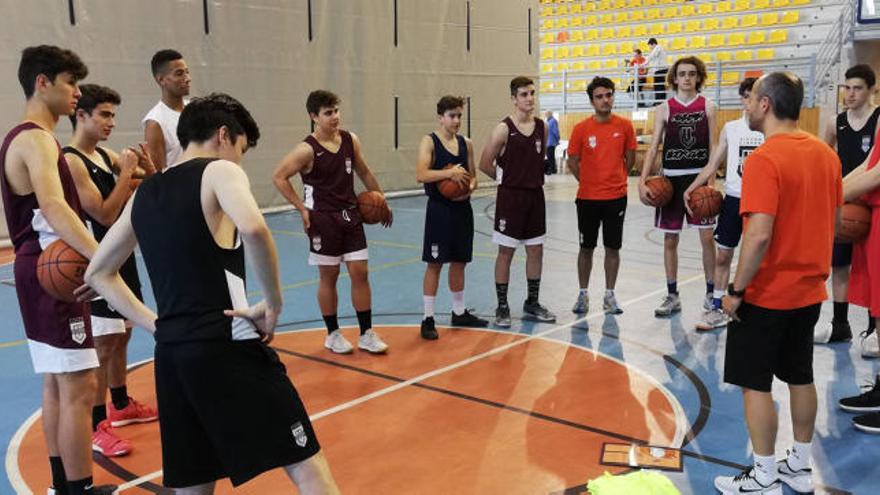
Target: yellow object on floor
637	483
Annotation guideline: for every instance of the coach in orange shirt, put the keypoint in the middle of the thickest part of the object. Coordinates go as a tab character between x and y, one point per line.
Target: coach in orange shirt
600	153
791	196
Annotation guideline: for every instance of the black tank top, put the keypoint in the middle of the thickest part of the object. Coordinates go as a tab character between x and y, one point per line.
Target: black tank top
522	164
329	185
442	158
853	146
193	278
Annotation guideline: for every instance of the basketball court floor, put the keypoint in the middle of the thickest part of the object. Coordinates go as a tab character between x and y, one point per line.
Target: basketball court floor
487	411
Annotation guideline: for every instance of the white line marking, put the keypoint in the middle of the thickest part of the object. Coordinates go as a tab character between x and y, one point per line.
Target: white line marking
139	481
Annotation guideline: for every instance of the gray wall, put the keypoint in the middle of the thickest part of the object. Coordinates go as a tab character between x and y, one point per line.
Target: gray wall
259	52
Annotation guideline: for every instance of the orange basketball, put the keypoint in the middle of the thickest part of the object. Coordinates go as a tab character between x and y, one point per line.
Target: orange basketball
855	223
60	270
373	207
705	202
661	188
451	189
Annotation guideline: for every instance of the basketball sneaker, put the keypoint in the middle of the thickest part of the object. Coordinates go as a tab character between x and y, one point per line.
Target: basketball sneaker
869	423
712	319
581	304
709	302
870	346
134	412
467	319
610	306
502	316
371	342
108	444
868	401
96	490
671	304
537	312
746	482
429	330
337	343
836	331
800	480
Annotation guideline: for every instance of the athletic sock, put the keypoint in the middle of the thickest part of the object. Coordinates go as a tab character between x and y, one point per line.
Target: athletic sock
841	310
799	458
80	487
872	322
609	292
59	480
710	287
534	289
458	303
332	323
765	469
672	286
429	305
119	397
501	293
717	295
365	320
99	413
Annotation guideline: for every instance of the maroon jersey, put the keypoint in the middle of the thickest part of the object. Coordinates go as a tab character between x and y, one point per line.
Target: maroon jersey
686	145
46	320
522	164
329	185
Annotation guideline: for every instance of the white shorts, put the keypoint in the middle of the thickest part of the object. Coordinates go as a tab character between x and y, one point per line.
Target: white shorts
48	359
324	260
507	241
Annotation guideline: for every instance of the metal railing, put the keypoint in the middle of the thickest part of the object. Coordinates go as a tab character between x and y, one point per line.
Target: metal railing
828	55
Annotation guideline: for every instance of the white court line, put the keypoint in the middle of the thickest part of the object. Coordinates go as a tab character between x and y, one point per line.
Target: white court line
139	481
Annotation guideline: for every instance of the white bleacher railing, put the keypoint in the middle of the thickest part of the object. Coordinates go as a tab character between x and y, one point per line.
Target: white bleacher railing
828	55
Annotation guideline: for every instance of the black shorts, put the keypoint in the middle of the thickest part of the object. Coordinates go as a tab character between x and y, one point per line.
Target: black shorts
227	409
609	213
449	231
841	254
520	217
768	342
730	224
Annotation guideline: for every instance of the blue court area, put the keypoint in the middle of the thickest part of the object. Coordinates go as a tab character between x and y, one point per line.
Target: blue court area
689	365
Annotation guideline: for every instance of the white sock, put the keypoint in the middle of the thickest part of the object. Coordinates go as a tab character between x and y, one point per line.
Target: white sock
799	458
765	469
609	292
718	294
429	305
458	303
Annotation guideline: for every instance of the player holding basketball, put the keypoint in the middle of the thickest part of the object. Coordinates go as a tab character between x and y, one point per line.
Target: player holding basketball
514	156
102	197
195	223
449	223
737	141
683	124
852	132
326	160
160	124
41	206
776	295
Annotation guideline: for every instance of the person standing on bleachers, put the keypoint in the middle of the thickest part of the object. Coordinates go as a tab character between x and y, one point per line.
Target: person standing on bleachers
656	63
552	143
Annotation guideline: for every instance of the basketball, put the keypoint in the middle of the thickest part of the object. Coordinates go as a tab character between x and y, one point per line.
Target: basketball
451	189
661	188
373	207
705	202
60	270
855	222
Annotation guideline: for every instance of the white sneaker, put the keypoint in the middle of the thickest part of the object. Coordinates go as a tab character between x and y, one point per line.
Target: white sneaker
745	482
581	305
709	302
671	304
800	481
822	333
371	342
712	319
870	345
337	343
610	306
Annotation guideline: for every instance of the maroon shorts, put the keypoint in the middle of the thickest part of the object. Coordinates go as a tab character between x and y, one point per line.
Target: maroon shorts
520	217
671	217
336	236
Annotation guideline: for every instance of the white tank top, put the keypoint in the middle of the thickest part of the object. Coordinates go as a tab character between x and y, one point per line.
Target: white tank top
167	119
741	141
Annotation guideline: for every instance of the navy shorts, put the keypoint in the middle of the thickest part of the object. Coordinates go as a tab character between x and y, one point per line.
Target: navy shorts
449	231
730	224
841	254
607	213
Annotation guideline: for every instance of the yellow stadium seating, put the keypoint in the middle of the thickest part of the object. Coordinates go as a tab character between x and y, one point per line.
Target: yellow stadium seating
594	65
546	11
790	17
710	24
640	30
637	15
621	17
716	40
710	80
678	44
577	66
577	21
624	31
749	20
561	66
550	86
656	29
652	14
780	3
769	18
761	4
673	28
722	7
593	50
635	3
669	13
705	57
626	48
606	19
562	23
800	2
577	36
736	39
619	4
547	53
611	63
562	52
688	10
743	55
591	34
547	24
778	36
741	5
609	49
705	8
590	20
546	68
604	5
729	23
692	26
723	56
576	8
765	54
650	2
730	78
607	33
756	38
579	85
562	10
547	38
589	7
698	42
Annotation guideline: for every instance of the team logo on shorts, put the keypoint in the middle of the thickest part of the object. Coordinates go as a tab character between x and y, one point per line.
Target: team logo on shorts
435	251
582	237
502	224
348	166
299	434
866	143
592	142
316	243
538	146
78	330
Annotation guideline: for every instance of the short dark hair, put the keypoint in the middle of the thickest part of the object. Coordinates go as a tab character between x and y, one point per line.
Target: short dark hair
50	61
863	72
785	92
449	102
599	82
519	82
319	99
202	117
92	96
652	41
690	60
638	50
160	60
746	85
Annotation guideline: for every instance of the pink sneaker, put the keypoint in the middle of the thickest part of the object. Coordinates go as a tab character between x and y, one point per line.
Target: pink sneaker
105	442
134	412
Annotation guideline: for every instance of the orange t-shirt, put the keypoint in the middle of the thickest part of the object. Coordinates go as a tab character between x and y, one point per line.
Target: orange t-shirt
601	148
796	178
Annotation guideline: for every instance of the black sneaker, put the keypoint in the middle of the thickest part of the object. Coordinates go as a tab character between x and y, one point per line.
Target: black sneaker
466	319
867	402
840	332
535	311
429	332
868	422
96	490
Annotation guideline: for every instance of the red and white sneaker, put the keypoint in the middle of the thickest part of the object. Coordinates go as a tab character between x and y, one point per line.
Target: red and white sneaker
134	412
105	442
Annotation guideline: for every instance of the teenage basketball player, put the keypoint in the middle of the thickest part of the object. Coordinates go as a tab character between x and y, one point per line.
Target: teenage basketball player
160	124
